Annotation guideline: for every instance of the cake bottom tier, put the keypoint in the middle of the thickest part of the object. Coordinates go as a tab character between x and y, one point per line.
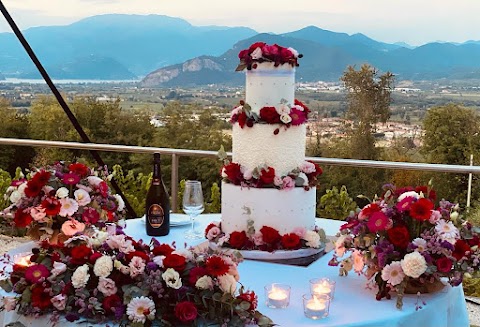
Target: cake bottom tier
284	210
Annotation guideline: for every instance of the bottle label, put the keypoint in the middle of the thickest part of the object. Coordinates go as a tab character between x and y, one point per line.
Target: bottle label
155	216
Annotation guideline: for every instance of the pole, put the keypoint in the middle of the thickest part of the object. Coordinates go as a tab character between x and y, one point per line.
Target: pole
469	191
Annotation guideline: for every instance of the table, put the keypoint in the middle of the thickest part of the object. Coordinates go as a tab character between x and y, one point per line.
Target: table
353	306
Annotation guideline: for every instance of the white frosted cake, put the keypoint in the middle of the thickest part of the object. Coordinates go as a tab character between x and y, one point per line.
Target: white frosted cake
268	189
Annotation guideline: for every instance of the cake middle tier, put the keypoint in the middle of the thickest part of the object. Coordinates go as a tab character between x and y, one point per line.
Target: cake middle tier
259	145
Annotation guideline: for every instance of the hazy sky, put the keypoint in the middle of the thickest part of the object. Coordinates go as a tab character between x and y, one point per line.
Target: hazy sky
412	21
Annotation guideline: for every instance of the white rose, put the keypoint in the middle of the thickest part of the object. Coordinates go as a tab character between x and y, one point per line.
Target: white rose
227	283
312	238
103	266
257	53
285	118
248	174
204	283
94	180
411	194
172	278
15	197
414	264
22	188
121	203
283	109
80	277
61	193
58	268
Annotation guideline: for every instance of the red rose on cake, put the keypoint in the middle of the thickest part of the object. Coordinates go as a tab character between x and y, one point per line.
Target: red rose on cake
267	175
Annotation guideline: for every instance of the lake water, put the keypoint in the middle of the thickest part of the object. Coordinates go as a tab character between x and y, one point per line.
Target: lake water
66	81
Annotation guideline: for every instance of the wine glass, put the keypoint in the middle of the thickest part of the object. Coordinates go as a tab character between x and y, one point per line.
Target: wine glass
193	206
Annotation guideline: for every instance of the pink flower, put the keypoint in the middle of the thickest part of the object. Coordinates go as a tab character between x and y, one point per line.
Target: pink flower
213	233
435	216
59	301
405	204
69	207
298	117
38	214
70	179
90	215
36	273
107	286
300	231
358	262
288	183
258	239
277	181
378	221
307	167
72	227
137	266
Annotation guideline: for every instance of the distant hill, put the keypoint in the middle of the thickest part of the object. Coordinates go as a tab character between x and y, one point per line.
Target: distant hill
327	54
137	43
2	78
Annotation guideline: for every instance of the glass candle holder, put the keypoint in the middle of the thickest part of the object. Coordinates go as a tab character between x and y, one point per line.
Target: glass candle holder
277	295
316	306
322	286
23	259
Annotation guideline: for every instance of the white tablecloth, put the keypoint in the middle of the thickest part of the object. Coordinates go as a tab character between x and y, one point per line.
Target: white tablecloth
354	305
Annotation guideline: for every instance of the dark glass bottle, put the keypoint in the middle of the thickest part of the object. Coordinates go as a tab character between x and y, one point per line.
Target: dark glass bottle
157	208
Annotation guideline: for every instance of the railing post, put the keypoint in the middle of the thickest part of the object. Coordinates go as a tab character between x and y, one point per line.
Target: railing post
174	181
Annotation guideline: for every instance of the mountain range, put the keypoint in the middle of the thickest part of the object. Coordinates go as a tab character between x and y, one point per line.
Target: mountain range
170	51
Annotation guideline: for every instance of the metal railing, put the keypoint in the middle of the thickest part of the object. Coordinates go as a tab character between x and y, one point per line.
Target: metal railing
177	153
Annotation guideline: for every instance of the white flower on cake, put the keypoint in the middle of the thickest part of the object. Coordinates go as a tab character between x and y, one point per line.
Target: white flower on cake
107	286
172	278
204	283
227	283
103	266
414	264
140	309
447	231
312	238
285	118
283	109
393	273
62	192
257	53
80	277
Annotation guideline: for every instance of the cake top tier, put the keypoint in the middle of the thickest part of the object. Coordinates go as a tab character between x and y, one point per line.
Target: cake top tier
261	52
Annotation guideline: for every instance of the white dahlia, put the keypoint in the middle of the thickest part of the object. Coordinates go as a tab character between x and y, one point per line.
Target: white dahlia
140	309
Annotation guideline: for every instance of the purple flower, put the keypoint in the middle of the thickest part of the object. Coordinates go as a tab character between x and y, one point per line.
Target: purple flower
447	245
152	266
71	316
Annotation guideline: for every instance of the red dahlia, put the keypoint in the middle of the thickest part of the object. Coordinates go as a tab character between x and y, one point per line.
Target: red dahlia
22	218
196	273
79	169
422	209
270	115
40	298
33	188
461	249
80	254
267	175
291	241
399	236
216	266
42	177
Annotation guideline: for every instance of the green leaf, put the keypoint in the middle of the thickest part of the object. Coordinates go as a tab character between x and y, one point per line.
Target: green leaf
6	285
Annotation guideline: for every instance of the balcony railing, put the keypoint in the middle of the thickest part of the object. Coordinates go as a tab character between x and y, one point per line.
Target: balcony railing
177	153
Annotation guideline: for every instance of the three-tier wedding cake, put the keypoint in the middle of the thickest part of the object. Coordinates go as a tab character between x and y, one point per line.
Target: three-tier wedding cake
268	189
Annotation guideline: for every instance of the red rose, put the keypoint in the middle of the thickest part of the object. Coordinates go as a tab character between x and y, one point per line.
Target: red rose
196	273
270	235
250	297
162	249
256	45
267	176
40	299
33	188
238	239
242	119
444	264
80	254
270	115
461	249
399	236
210	226
79	169
174	261
291	241
52	206
22	218
422	209
42	177
243	54
110	303
139	254
186	311
233	172
216	266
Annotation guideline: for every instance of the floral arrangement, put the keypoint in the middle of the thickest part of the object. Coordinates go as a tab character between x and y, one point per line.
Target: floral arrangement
110	277
403	243
62	200
304	176
266	239
285	115
261	52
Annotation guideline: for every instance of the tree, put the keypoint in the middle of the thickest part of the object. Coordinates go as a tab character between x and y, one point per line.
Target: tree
452	134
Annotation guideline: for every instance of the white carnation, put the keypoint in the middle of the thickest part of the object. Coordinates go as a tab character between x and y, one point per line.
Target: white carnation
80	277
257	53
414	264
62	192
312	238
103	266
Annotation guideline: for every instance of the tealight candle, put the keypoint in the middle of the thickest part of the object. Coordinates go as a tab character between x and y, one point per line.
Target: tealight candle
277	295
316	306
23	260
325	286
